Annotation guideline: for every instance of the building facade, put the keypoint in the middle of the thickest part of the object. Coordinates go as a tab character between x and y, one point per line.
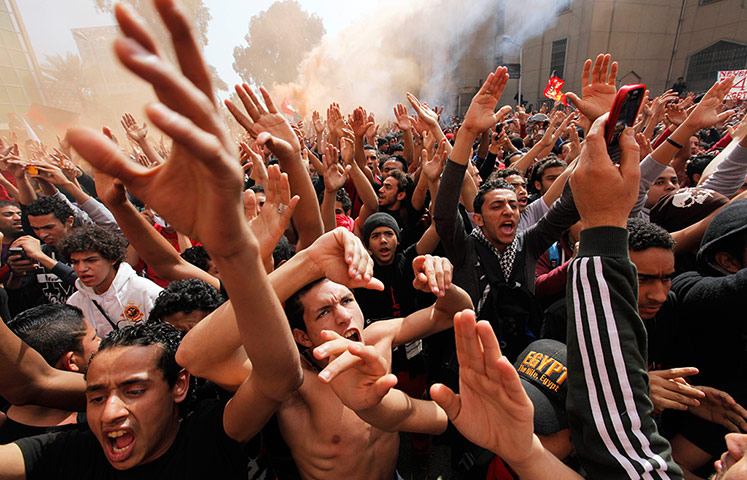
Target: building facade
20	84
654	42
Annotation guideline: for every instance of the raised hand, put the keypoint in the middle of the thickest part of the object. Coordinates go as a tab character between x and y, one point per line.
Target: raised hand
133	130
403	121
347	147
481	114
335	176
432	274
275	214
341	257
359	122
492	409
707	113
675	114
433	167
255	161
198	189
316	120
426	118
598	88
281	140
596	179
358	373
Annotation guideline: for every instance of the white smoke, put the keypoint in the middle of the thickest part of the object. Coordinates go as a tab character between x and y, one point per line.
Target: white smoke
422	46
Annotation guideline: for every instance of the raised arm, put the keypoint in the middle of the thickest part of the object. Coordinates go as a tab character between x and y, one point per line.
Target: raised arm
26	378
282	142
608	392
492	409
203	174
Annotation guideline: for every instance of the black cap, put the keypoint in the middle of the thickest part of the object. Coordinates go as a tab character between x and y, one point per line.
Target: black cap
543	373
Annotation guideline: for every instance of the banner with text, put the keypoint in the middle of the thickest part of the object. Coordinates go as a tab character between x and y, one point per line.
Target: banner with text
739	89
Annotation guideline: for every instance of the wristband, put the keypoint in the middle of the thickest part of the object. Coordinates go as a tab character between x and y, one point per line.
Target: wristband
673	143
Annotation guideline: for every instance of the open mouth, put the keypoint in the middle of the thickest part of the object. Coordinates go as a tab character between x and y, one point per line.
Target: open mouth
352	334
507	228
120	444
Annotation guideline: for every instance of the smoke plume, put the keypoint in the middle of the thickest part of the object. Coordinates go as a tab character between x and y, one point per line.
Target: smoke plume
430	48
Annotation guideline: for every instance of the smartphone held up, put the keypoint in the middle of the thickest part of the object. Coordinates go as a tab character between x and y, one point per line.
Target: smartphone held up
623	115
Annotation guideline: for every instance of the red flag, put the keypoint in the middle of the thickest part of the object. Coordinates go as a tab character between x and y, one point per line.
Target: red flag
552	90
287	108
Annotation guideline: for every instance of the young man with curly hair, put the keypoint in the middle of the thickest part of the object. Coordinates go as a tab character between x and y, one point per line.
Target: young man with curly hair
110	293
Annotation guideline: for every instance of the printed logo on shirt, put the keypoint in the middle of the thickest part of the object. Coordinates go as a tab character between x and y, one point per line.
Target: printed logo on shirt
544	369
132	313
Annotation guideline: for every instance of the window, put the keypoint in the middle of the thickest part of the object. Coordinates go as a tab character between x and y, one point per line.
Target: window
703	66
557	57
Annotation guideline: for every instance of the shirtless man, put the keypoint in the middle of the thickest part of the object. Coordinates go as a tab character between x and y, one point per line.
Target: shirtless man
328	440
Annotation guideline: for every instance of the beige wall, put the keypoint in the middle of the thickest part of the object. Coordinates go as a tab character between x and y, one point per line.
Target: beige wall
640	35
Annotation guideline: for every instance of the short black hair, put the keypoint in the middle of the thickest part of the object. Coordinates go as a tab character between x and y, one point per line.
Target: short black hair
696	165
46	205
294	306
282	251
539	169
198	257
398	158
8	203
257	188
643	235
403	179
94	238
185	296
488	186
52	330
145	334
343	197
506	172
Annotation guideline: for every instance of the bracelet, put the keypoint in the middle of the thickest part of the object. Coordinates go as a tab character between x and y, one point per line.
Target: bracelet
673	143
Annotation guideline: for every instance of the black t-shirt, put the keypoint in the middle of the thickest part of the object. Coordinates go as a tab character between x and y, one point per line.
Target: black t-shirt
201	450
398	299
12	430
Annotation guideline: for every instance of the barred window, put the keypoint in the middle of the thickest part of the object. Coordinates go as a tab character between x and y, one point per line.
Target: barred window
557	58
703	66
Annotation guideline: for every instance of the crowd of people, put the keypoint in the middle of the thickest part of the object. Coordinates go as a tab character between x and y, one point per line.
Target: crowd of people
288	303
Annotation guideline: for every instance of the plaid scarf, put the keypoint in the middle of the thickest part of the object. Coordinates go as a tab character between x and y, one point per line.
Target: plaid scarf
505	259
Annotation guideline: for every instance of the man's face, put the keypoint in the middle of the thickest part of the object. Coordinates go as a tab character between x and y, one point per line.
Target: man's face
520	185
131	408
49	228
389	193
665	183
10	221
338	208
499	217
655	269
371	157
695	146
383	245
733	463
392	164
548	178
330	306
93	270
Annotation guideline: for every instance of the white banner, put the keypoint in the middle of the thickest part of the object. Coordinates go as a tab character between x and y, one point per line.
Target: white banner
739	89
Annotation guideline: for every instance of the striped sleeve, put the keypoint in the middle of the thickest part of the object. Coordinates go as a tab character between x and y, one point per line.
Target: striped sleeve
608	396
